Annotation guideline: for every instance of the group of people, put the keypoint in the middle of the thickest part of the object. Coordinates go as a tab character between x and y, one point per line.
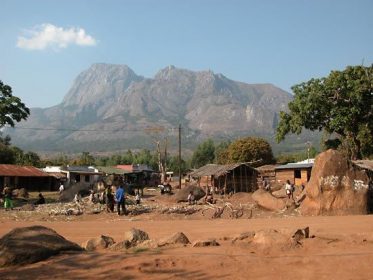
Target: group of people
111	197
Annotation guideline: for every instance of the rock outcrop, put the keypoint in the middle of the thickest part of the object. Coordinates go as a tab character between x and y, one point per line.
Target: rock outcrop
336	187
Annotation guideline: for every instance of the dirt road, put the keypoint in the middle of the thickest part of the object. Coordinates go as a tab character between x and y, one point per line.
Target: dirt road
342	249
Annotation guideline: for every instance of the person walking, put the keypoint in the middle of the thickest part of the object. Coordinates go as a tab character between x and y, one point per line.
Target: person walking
120	199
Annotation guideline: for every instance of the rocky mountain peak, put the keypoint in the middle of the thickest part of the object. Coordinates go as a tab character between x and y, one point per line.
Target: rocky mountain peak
113	98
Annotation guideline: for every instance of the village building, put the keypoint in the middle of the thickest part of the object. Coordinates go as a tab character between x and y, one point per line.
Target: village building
367	166
298	173
70	175
140	175
28	177
267	173
225	179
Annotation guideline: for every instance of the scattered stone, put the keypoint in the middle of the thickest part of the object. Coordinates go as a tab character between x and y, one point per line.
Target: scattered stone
32	244
205	243
101	242
120	246
185	210
23	193
27	207
270	238
177	238
301	234
135	236
242	236
268	201
336	187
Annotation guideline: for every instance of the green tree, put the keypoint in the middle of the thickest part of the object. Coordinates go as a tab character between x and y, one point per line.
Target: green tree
341	104
250	149
221	152
11	108
173	165
85	159
204	154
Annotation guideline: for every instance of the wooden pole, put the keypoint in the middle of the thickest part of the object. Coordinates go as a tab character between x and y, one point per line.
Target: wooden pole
241	186
246	180
234	183
179	156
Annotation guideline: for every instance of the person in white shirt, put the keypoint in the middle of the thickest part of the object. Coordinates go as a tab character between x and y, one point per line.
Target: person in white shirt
289	189
62	188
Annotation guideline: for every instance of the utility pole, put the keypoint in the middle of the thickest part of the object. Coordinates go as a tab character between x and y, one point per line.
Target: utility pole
179	156
308	144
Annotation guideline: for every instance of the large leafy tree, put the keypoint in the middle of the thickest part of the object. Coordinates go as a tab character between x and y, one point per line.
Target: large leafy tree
11	108
204	154
340	104
250	149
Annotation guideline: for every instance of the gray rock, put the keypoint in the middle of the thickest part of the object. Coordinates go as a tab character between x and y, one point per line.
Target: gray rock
182	195
135	236
205	243
32	244
98	243
178	238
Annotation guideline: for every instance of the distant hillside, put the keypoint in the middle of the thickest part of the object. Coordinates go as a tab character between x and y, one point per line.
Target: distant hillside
112	108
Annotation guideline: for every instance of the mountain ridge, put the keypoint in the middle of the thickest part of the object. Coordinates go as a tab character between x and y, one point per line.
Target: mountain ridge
113	98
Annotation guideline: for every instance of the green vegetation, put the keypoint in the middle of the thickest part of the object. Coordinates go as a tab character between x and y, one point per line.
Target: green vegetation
11	108
341	104
204	154
250	149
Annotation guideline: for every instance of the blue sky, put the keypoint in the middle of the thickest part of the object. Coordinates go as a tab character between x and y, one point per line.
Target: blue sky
283	42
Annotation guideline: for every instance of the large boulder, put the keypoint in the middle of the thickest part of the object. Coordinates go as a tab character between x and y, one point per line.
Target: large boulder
32	244
267	201
69	193
182	195
336	187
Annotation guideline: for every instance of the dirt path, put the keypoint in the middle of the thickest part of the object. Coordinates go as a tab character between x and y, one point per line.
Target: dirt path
343	249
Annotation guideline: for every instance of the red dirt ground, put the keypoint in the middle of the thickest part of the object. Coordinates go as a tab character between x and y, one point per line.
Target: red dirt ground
342	249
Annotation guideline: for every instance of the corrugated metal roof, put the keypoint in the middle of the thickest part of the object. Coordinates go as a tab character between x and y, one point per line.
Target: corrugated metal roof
365	164
21	171
295	166
58	175
111	170
216	169
267	167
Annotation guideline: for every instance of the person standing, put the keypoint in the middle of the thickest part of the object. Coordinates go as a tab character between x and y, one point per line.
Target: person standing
109	200
289	189
138	198
61	189
8	200
120	199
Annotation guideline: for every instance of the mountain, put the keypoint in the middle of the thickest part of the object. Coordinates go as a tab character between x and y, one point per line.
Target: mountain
109	107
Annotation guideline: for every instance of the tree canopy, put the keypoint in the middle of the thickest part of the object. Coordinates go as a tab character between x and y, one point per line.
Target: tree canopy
250	149
11	108
340	104
204	154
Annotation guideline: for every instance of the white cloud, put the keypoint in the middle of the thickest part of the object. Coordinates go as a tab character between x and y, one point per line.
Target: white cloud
47	35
